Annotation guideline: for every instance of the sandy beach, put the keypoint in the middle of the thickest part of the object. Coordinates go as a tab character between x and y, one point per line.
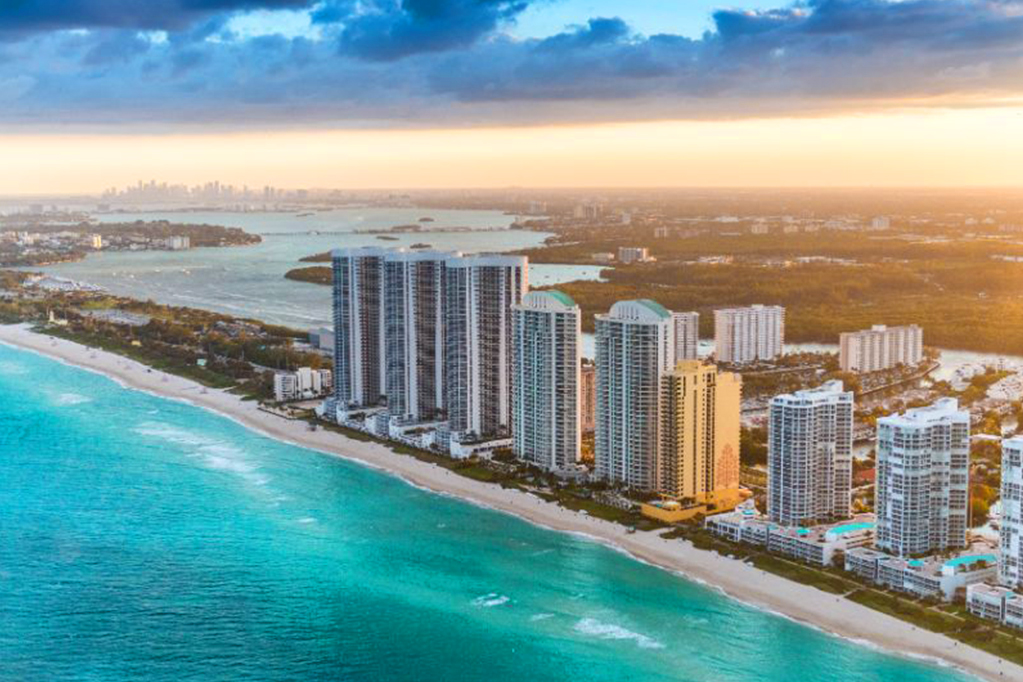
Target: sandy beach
743	582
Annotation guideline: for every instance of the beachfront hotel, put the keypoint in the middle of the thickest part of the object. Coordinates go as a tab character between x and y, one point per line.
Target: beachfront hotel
546	365
809	455
687	335
923	471
747	335
635	350
479	294
414	334
359	368
699	454
880	348
1011	531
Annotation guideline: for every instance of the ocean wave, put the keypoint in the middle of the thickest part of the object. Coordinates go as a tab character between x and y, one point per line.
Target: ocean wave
596	628
540	616
12	368
214	454
71	399
490	600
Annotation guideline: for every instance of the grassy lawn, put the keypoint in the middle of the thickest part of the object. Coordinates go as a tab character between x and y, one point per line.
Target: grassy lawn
800	573
907	610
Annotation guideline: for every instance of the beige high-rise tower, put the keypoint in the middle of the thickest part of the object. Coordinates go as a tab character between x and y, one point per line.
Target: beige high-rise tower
699	458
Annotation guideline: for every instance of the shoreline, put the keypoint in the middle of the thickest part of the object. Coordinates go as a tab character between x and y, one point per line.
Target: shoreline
801	603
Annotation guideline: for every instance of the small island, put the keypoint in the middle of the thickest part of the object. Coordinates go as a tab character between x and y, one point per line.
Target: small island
316	274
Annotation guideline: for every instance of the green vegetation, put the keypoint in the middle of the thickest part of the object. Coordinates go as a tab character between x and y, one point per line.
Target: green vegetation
824	580
199	235
954	622
313	275
213	349
753	445
953	289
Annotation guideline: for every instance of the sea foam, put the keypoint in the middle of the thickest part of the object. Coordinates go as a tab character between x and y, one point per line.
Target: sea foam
596	628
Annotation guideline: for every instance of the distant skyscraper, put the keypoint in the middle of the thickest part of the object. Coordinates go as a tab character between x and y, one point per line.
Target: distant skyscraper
414	333
699	457
687	334
923	472
745	335
1011	531
880	347
635	349
546	380
480	291
809	453
359	369
589	396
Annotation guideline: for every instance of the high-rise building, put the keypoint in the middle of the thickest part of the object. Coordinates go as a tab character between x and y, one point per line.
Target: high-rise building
480	291
880	347
546	380
687	335
923	471
635	349
359	368
699	456
1010	567
745	335
809	455
588	378
414	333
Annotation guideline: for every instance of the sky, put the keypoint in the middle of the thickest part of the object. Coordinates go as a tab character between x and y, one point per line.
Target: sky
490	93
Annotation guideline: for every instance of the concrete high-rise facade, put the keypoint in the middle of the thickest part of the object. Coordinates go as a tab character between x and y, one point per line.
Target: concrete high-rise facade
699	455
809	455
1010	567
746	335
880	347
687	335
546	359
923	472
479	294
359	368
414	285
588	410
635	349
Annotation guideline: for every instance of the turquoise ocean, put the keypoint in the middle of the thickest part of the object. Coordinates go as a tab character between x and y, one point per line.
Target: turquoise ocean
147	539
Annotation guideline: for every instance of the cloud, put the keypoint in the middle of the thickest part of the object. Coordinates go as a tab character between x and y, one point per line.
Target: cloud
391	30
20	18
451	62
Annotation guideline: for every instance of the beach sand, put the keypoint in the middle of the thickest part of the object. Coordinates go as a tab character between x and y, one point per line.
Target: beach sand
741	581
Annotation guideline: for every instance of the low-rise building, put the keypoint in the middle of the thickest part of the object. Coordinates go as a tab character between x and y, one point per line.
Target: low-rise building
818	545
988	601
302	384
633	254
931	577
744	524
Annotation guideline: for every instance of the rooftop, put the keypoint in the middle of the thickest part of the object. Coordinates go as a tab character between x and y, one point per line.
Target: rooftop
945	409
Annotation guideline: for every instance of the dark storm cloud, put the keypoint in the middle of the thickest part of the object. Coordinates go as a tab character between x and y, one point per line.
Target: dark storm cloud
450	62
